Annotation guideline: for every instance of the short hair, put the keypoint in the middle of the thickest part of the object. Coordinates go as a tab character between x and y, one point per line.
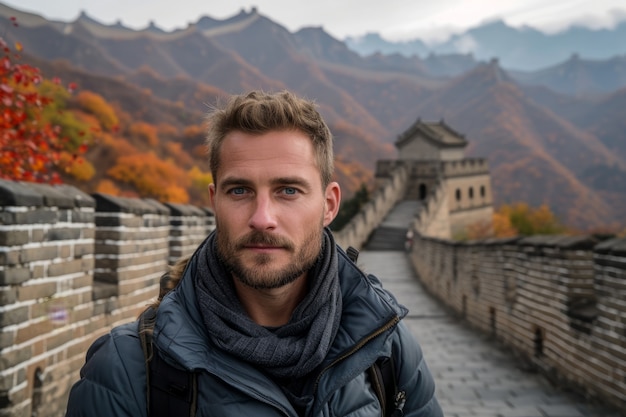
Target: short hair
259	113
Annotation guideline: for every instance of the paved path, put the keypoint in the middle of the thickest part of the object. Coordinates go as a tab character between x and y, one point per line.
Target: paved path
474	376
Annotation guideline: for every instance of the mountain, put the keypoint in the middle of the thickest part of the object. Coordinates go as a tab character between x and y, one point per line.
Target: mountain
517	48
578	77
606	121
534	155
545	144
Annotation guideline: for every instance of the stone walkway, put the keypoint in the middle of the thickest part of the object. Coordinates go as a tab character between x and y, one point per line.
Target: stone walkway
474	376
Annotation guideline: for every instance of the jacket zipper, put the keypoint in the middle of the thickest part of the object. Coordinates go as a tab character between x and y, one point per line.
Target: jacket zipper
394	321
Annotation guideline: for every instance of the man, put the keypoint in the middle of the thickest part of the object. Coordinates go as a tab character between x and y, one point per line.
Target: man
270	314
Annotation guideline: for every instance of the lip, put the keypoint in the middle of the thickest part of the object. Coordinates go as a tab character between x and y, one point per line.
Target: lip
262	248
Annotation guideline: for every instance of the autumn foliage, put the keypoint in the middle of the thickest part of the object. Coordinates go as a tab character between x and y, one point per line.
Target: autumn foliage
152	177
95	104
518	219
30	145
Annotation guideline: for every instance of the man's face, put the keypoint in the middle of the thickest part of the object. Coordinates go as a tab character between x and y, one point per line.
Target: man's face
270	208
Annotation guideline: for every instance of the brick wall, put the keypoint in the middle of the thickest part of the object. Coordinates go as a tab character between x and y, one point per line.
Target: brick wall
558	301
71	267
390	191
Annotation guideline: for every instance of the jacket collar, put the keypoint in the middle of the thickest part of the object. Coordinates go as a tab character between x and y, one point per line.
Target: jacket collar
181	335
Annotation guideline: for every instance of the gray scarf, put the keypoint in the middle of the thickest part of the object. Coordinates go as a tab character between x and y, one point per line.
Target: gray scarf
290	351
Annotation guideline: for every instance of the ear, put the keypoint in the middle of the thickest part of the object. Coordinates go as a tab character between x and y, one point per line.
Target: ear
333	199
212	196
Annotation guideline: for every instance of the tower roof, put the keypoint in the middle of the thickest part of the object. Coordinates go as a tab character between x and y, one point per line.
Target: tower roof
438	133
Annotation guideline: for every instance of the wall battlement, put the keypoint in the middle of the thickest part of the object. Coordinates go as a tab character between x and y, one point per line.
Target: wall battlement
559	301
435	169
465	167
388	193
71	267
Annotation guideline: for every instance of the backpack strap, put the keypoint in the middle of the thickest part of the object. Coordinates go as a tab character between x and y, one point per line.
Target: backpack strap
169	391
146	326
352	253
383	379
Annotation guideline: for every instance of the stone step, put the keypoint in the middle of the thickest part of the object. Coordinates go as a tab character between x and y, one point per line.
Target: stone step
387	238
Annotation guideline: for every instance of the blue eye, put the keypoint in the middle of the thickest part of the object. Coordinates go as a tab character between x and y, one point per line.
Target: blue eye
290	191
238	191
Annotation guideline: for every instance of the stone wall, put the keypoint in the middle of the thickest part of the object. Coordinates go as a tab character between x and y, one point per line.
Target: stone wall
433	217
71	267
388	193
559	302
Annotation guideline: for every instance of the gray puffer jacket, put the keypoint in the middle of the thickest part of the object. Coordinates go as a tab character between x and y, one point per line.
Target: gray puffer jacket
113	379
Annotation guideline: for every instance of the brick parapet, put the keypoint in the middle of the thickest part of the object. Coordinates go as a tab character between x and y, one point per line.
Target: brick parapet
557	300
72	266
464	167
189	226
46	273
384	198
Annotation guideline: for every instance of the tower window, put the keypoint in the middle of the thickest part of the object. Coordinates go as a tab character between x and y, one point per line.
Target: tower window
423	191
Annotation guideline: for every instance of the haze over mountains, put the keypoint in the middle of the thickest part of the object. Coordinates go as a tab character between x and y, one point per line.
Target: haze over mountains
525	48
555	135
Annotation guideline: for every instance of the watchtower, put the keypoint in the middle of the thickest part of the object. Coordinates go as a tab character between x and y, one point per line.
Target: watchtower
434	154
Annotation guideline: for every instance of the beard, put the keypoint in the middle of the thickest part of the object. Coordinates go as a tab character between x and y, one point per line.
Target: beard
261	274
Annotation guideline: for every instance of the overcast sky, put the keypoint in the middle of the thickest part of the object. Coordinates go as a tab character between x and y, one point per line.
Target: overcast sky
393	19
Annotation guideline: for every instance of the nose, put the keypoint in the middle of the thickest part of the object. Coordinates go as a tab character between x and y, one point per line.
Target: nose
263	217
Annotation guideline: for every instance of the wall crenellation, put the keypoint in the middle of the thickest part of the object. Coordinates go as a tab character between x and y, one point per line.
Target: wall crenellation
389	192
71	267
558	301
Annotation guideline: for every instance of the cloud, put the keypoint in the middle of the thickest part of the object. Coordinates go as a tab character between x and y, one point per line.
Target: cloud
465	44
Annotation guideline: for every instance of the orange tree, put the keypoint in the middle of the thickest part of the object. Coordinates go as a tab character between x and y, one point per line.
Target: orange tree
30	147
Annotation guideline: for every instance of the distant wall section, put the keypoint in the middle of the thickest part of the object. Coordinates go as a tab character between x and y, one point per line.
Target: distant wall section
558	301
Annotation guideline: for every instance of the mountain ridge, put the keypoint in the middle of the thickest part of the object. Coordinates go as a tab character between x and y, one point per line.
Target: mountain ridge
543	145
524	48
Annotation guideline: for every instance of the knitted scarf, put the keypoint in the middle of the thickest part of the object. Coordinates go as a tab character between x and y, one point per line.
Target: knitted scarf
289	351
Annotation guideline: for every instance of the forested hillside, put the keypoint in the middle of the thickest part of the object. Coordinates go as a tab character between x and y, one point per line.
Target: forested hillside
546	144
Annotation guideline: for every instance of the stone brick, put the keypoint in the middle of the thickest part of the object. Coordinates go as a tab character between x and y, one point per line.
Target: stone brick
64	251
38	235
64	233
82	216
117	221
36	291
14	357
58	339
103	290
83	248
109	249
79	198
6	339
7	381
12	276
13	316
41	253
13	237
79	314
14	193
114	235
33	330
53	196
10	257
87	264
89	233
107	203
65	268
37	271
37	216
8	295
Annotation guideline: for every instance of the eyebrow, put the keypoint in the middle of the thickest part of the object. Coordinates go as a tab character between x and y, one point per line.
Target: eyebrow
295	181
